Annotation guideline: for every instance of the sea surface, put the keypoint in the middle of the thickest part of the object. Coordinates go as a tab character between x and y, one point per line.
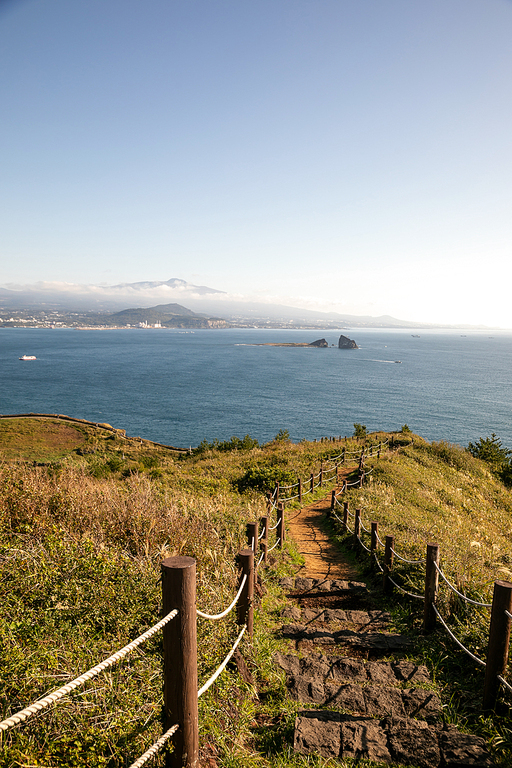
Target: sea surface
181	387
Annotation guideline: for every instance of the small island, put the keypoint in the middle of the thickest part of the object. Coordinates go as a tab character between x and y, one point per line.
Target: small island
317	343
346	343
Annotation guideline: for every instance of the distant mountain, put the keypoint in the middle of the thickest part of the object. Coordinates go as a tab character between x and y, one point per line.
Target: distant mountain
200	300
167	315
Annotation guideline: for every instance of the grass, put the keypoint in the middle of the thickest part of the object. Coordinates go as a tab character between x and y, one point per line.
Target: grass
87	515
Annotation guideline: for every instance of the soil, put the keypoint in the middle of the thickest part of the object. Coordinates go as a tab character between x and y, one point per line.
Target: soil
322	557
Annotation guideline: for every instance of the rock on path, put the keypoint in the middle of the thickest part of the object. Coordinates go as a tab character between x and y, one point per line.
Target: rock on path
365	707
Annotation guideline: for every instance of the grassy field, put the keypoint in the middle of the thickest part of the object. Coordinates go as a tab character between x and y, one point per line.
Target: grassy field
87	515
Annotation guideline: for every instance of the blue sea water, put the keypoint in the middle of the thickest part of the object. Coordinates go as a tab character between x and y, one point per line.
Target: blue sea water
179	387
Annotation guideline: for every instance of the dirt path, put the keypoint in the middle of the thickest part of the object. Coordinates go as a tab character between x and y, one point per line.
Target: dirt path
322	558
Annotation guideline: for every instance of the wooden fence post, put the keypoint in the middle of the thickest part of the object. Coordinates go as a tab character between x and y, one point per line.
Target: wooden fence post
361	479
312	482
252	536
264	538
280	524
431	587
321	475
343	456
245	606
499	640
300	490
333	499
180	660
269	502
357	527
345	515
374	542
388	563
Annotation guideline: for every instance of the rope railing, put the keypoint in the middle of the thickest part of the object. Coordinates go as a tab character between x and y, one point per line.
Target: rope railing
157	746
223	666
214	617
463	597
405	560
27	712
463	647
401	589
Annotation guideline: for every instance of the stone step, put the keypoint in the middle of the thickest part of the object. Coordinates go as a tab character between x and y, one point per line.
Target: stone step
336	616
388	740
326	668
306	586
365	641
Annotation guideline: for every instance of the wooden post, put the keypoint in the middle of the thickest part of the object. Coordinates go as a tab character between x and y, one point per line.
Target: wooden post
333	499
499	640
374	542
321	475
280	525
357	527
361	460
361	479
345	515
300	490
269	502
180	660
252	536
264	538
312	482
343	456
431	587
388	563
245	606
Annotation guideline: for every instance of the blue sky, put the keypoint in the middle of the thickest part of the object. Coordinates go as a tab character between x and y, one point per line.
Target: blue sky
343	155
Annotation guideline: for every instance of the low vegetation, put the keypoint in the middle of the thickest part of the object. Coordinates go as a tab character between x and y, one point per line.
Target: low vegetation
87	515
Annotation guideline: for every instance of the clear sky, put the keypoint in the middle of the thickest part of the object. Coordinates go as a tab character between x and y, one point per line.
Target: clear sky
347	155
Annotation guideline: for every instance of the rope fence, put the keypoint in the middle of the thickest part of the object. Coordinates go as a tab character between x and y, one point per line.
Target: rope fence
501	606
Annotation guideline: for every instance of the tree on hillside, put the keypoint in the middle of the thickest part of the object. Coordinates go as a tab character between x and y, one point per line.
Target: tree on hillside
491	450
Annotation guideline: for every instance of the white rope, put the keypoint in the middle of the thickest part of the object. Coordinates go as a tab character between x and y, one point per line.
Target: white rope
215	616
261	558
23	714
262	534
467	599
379	539
274	526
404	559
381	569
509	615
157	746
287	487
363	545
222	666
466	650
411	594
252	544
273	546
504	682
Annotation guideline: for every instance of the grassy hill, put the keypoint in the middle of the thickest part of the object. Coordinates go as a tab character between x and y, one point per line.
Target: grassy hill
86	516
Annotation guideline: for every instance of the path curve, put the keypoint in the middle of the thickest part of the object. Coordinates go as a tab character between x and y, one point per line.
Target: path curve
322	558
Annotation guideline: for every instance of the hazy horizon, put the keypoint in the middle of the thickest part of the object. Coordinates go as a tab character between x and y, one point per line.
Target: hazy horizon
336	156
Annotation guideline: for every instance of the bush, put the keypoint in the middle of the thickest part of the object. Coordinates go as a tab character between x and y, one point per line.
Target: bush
246	443
264	477
360	430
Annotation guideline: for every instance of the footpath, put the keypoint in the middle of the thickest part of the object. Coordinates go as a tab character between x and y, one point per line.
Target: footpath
363	699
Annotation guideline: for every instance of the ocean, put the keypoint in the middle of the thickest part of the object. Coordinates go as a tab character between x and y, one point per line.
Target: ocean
181	387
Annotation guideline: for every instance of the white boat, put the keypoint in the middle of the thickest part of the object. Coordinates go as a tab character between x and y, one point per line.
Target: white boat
28	357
